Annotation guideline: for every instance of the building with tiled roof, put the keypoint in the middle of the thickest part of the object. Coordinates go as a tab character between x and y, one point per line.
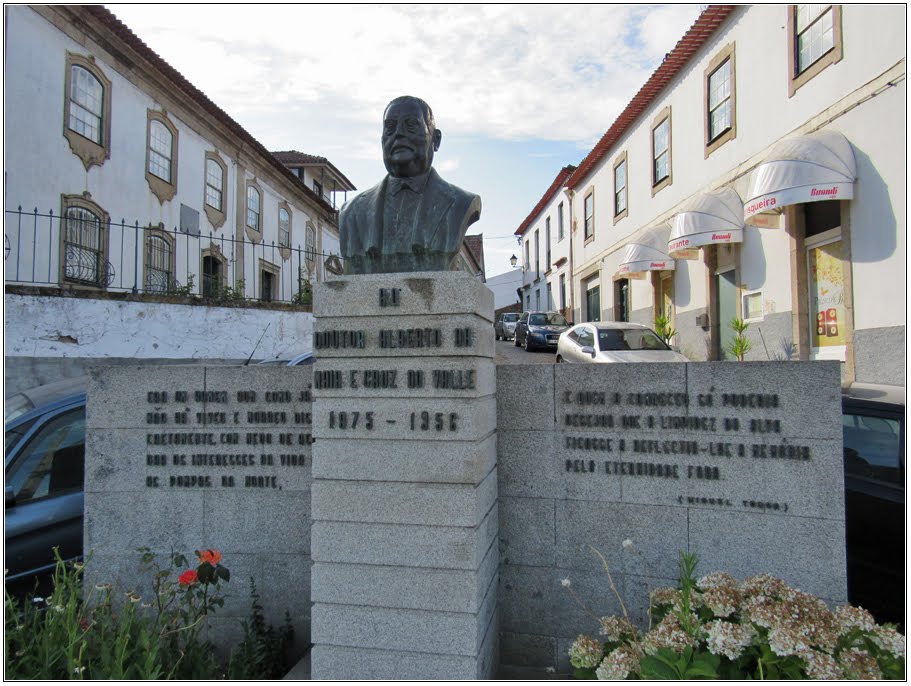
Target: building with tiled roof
135	186
544	243
758	174
317	173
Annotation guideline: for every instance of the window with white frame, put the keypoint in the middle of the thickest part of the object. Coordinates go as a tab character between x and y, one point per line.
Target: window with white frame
161	142
310	246
590	215
620	187
661	151
87	110
284	227
254	208
815	38
215	184
547	244
720	100
161	155
752	306
560	232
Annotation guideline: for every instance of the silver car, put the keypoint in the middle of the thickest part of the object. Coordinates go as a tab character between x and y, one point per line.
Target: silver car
613	342
505	326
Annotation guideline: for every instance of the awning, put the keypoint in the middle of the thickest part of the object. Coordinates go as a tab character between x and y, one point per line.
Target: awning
818	166
713	217
646	254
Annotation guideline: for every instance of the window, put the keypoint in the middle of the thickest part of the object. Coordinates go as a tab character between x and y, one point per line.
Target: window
720	114
872	446
560	233
562	291
161	155
284	227
87	110
550	297
318	188
547	244
590	216
214	189
527	261
254	208
86	103
159	262
537	298
528	301
661	151
752	306
310	246
620	209
814	33
84	242
537	257
53	463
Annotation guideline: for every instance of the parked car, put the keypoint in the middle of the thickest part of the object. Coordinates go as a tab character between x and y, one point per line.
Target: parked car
539	329
604	342
43	493
303	358
873	428
505	326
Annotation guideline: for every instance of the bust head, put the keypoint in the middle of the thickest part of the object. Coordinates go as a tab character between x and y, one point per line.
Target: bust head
409	137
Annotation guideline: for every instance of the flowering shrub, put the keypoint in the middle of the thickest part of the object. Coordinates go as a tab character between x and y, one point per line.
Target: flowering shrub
94	632
759	628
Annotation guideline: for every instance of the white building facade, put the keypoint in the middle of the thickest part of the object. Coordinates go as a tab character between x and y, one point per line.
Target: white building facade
544	240
124	181
759	174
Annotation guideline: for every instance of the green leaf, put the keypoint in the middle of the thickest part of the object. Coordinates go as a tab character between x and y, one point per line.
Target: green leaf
584	673
206	573
654	668
223	573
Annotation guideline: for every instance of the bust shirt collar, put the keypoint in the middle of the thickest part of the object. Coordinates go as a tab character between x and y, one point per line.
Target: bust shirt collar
415	183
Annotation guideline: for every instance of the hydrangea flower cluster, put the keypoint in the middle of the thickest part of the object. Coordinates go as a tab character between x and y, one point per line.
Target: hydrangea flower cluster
719	627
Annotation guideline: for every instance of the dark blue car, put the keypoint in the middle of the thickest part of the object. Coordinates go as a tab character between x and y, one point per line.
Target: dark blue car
44	475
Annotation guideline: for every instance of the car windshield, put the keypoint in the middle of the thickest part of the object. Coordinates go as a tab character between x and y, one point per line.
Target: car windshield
629	339
547	319
511	317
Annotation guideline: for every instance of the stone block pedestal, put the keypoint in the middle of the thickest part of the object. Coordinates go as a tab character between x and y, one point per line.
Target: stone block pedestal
404	494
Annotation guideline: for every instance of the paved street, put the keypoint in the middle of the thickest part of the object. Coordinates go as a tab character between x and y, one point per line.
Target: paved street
508	353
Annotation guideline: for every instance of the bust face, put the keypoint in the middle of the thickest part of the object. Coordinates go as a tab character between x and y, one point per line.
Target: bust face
408	143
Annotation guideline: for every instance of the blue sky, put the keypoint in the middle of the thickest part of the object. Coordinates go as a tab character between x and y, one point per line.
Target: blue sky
518	91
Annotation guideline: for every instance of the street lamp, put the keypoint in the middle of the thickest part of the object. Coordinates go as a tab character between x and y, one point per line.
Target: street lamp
513	260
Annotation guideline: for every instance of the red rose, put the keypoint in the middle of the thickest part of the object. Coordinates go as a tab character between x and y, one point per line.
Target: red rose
188	577
213	557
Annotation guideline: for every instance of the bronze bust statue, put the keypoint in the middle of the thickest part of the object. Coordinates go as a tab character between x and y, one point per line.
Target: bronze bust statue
412	220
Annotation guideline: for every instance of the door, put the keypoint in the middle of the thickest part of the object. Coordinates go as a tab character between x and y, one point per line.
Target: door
593	304
828	315
725	311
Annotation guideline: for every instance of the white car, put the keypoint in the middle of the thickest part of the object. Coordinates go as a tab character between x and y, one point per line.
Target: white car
613	342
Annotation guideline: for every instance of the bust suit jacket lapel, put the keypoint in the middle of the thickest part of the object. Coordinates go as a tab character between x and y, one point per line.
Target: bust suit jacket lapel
433	210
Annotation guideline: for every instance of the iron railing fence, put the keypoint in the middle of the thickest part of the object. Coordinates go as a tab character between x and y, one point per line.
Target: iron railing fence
79	249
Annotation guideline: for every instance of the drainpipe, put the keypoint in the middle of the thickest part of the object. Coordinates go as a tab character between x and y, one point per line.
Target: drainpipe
570	194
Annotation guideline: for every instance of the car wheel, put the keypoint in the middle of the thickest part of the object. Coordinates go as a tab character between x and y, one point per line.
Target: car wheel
526	345
515	341
496	336
559	359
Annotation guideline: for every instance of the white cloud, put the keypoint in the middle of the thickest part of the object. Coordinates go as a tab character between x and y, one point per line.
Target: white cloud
448	165
502	71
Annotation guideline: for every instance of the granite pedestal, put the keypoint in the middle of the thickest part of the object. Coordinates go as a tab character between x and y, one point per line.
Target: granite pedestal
404	494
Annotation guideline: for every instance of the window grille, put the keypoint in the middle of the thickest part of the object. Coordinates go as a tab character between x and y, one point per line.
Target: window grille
83	254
